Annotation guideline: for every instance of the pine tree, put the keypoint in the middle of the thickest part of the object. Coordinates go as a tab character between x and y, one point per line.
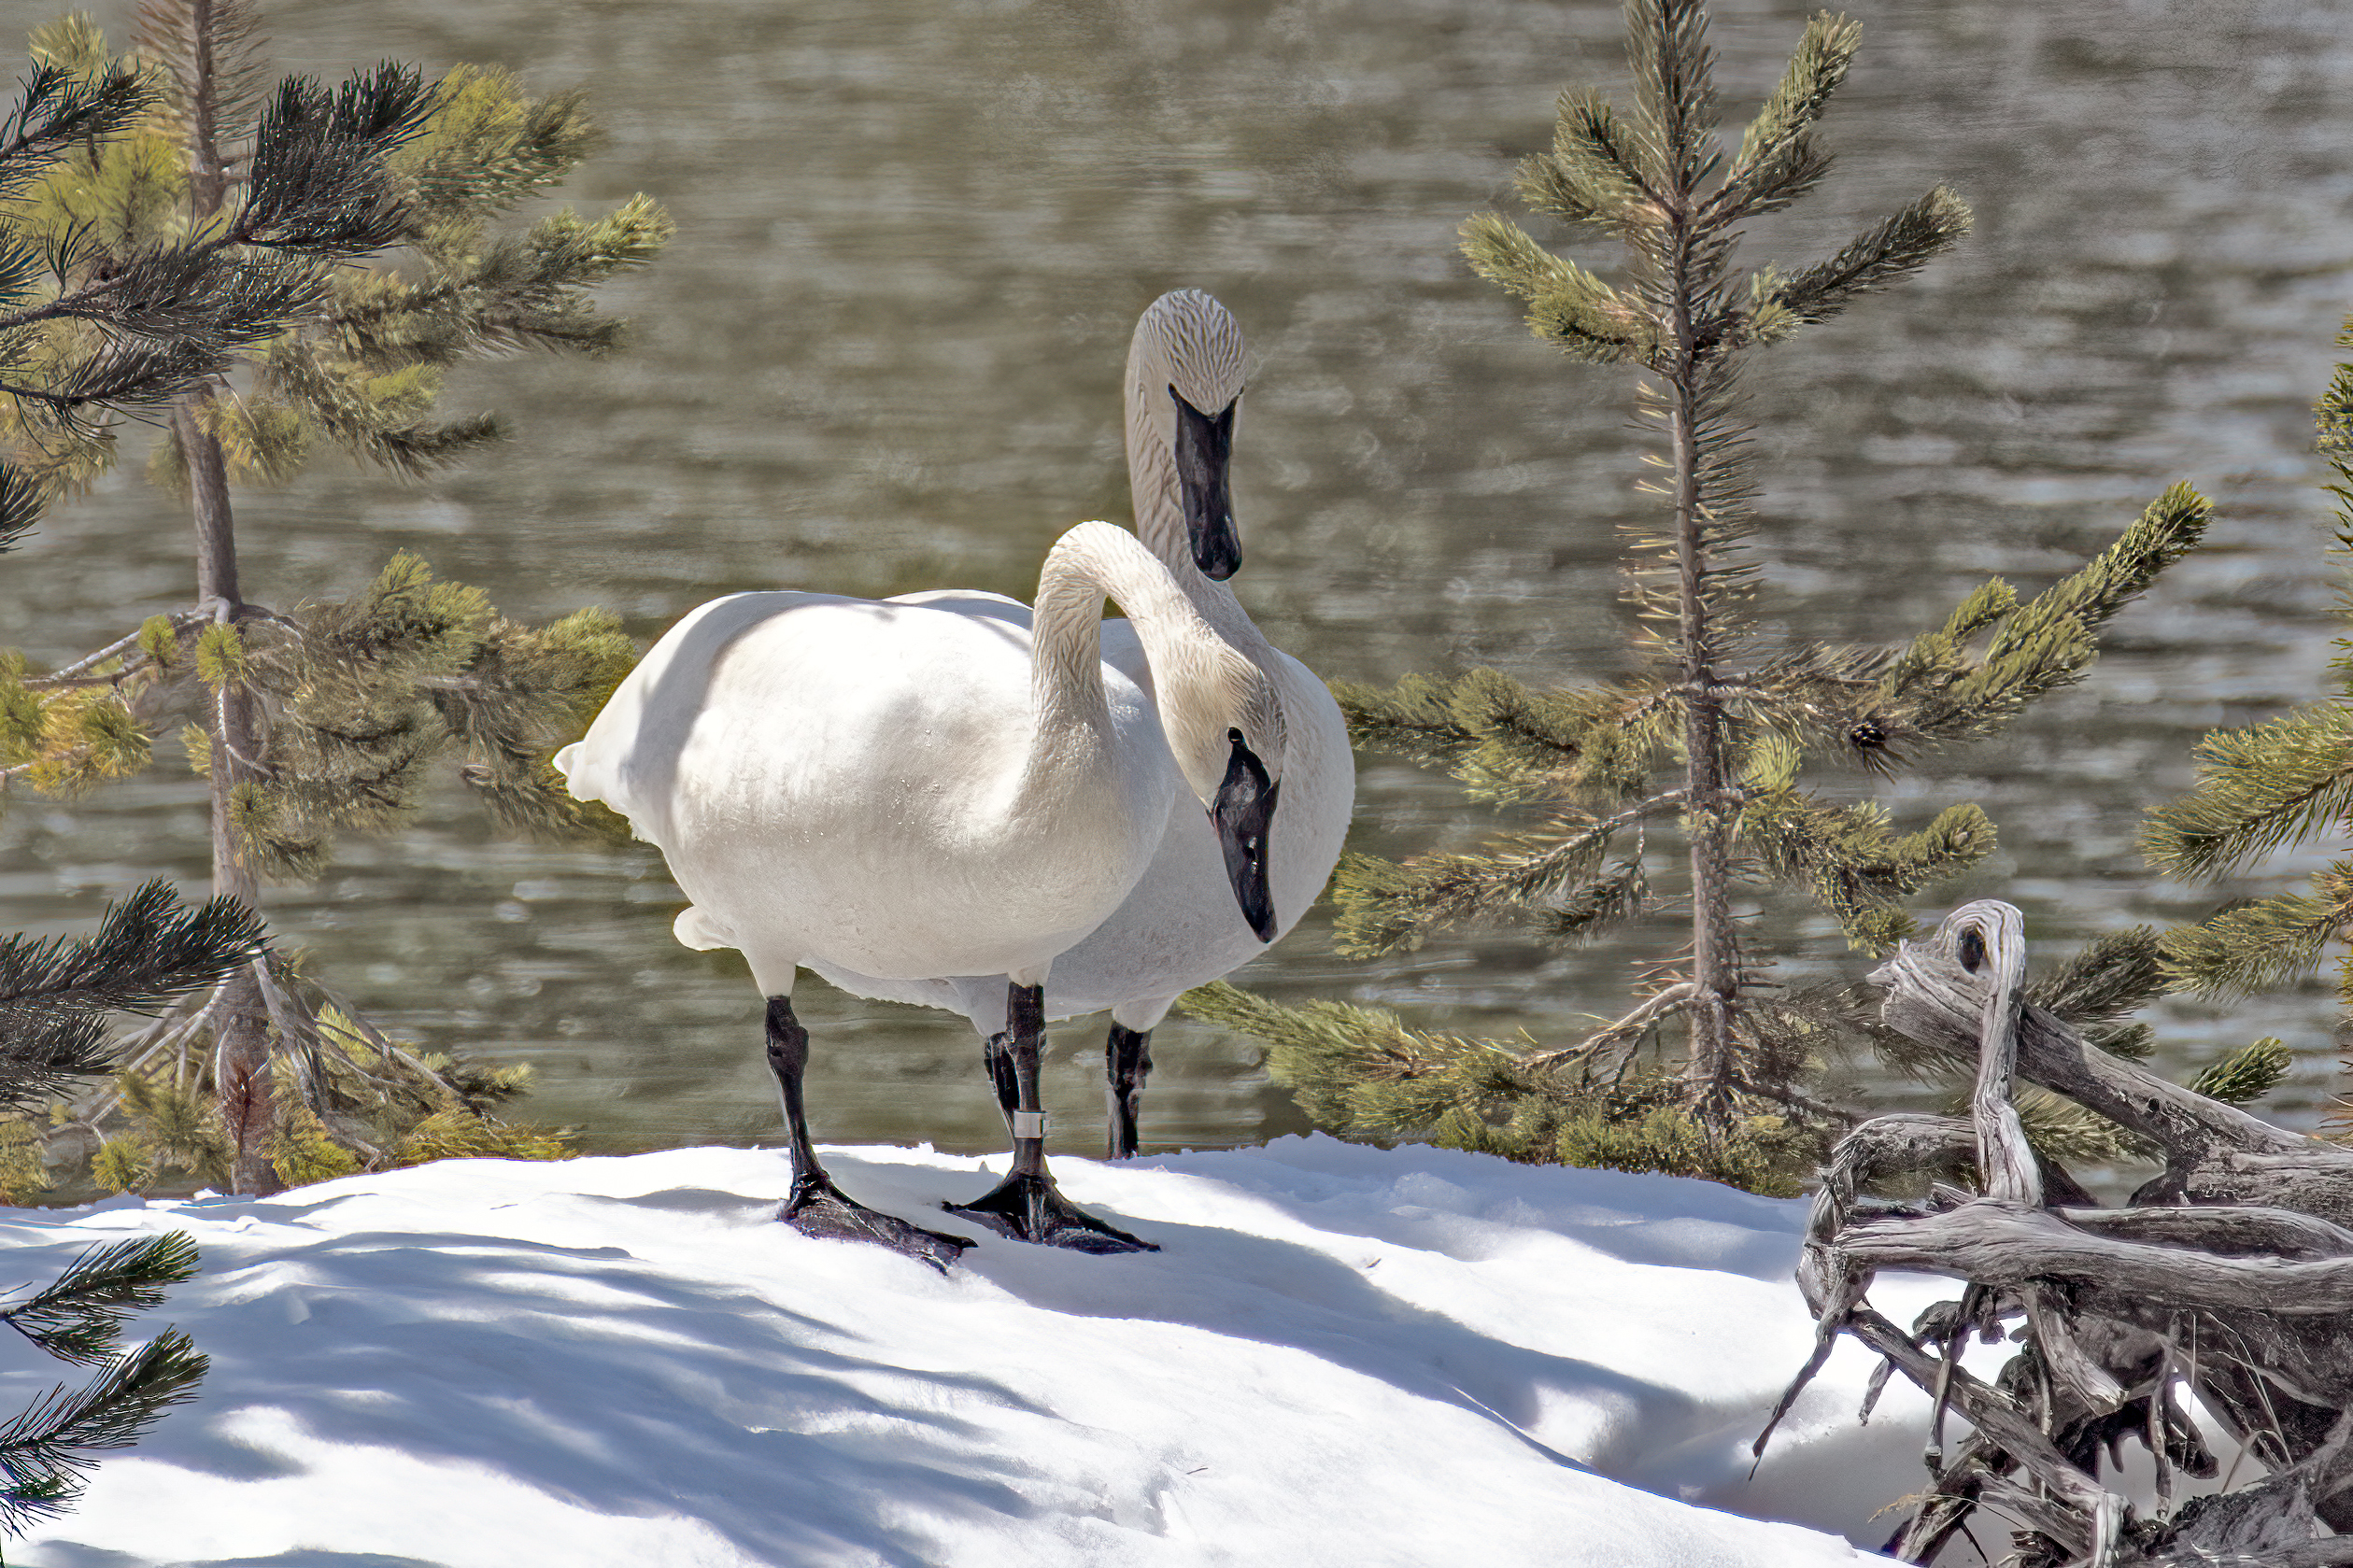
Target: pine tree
48	1450
2264	787
369	209
1710	734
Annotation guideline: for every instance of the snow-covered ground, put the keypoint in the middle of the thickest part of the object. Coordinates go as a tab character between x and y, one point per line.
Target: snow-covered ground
1343	1356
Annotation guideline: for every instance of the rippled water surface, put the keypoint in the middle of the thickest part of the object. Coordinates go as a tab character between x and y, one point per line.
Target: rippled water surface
883	355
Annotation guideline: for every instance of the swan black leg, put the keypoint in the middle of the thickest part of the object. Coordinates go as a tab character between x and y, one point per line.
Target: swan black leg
997	1057
1025	1206
1127	1063
817	1208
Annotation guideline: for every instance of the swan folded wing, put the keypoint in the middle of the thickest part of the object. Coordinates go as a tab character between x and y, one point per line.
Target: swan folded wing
629	758
697	928
855	771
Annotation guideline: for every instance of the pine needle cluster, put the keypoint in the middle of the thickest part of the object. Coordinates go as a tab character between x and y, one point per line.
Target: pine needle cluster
48	1450
109	298
1708	743
57	995
360	698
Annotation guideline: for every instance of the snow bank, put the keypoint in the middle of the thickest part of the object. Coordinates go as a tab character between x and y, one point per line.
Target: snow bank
1344	1356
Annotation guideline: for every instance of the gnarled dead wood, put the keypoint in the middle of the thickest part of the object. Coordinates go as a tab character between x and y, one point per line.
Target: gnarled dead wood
2010	1245
2227	1231
2231	1273
1932	998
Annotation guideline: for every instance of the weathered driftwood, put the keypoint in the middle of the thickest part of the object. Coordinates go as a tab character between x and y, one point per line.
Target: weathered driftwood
2231	1274
2011	1245
2214	1152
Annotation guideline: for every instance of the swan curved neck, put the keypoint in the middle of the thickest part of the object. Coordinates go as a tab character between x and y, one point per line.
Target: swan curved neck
1091	563
1193	664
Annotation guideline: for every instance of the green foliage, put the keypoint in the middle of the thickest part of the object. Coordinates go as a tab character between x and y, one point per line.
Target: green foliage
286	269
366	694
22	1178
1362	1073
2108	977
1762	1153
80	1316
2248	1074
372	691
177	1131
1851	862
346	1101
354	357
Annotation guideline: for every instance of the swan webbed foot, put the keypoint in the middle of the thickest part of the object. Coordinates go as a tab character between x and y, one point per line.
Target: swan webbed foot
819	1208
1028	1208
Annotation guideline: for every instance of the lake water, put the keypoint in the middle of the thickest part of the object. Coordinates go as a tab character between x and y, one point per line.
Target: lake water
883	355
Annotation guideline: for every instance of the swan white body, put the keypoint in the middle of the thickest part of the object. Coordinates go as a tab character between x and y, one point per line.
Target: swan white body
902	789
1175	929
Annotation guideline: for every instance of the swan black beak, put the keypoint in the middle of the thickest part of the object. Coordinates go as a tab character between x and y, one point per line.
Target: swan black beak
1204	452
1244	814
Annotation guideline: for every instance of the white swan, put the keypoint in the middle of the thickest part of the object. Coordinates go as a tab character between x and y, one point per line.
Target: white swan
905	790
1175	929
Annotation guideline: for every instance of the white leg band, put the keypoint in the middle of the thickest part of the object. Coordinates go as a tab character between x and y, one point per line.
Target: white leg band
1029	1124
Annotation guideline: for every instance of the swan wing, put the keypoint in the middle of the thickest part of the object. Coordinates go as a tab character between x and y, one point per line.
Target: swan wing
831	780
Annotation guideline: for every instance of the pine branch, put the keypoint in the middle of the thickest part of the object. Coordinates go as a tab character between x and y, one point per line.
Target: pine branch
2246	1074
79	1317
1364	1074
1592	174
373	416
1777	162
486	145
1674	84
1936	691
1900	246
2258	788
2106	978
2257	946
45	1057
1385	908
48	1448
519	292
147	951
199	296
2169	529
1855	868
1359	1070
1581	912
1567	305
59	108
22	503
319	183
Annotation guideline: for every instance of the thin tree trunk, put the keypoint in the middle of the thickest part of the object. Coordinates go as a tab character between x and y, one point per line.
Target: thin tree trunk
241	1025
1715	952
207	179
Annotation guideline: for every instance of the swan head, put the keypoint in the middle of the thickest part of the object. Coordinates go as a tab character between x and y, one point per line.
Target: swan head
1231	749
1185	371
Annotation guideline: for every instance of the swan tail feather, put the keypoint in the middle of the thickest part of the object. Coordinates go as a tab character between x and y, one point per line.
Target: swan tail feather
696	928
